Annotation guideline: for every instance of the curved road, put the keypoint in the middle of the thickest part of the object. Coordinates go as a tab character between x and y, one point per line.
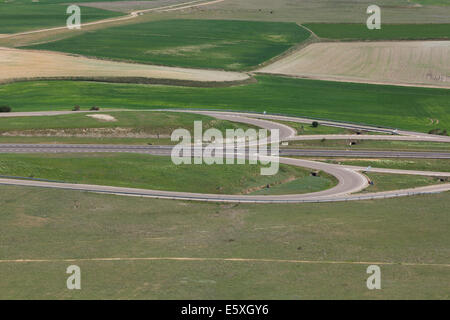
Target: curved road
350	180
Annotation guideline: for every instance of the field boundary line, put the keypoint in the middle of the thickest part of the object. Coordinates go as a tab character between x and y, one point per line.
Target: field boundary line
332	79
227	260
290	51
131	15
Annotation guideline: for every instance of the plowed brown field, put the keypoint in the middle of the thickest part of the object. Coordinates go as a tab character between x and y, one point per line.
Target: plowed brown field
424	63
20	64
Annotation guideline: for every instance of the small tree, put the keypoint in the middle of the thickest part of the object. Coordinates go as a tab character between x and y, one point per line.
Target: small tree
76	108
315	124
95	108
5	109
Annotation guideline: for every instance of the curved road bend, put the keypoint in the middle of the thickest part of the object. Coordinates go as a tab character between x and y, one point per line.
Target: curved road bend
390	134
312	197
286	133
349	179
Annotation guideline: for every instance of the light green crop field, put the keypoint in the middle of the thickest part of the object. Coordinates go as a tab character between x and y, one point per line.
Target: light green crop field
158	172
359	31
56	224
388	181
230	45
379	105
26	16
440	165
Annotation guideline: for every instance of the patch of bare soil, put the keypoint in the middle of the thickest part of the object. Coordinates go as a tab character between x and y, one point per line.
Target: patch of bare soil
417	63
102	117
29	64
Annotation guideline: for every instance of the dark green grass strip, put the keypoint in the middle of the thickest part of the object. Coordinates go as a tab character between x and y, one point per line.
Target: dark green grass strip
359	31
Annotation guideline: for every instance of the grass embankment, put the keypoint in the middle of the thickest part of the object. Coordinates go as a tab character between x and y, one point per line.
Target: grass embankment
22	15
158	172
432	2
219	44
155	123
57	224
388	181
86	140
309	129
359	31
126	125
398	107
371	145
439	165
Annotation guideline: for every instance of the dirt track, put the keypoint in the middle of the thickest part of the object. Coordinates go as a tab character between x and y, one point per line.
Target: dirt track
418	63
21	64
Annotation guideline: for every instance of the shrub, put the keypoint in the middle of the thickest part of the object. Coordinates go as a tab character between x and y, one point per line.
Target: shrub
315	124
95	108
438	132
5	109
76	108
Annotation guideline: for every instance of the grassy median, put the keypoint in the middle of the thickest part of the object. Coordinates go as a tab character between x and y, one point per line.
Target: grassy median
159	173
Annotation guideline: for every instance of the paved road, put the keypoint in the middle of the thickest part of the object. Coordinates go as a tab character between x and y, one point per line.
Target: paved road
325	196
394	134
350	180
166	150
424	138
364	154
287	133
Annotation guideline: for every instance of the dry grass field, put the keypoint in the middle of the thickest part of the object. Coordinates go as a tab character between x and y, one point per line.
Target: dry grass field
28	64
338	11
129	6
408	63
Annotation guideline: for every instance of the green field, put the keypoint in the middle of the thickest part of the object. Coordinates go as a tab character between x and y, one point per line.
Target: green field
230	45
439	165
370	145
56	224
432	2
85	140
156	123
308	129
157	172
398	107
304	185
388	181
359	31
27	16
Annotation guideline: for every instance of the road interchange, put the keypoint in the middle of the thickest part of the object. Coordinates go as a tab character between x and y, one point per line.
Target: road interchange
350	178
